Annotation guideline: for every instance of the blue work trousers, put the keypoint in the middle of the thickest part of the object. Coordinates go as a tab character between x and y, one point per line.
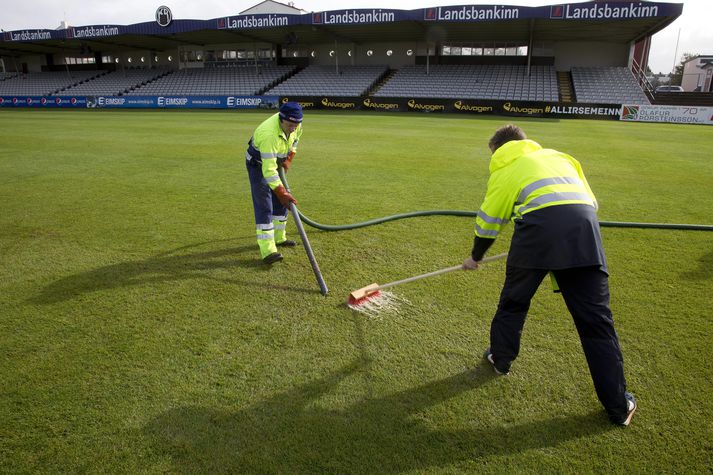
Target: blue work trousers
586	292
270	215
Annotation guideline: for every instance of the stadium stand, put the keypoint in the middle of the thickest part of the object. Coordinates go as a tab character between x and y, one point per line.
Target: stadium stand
240	80
324	80
500	82
699	99
568	59
116	82
47	83
607	85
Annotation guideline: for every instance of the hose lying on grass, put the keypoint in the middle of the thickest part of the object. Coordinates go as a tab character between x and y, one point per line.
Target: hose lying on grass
445	212
472	214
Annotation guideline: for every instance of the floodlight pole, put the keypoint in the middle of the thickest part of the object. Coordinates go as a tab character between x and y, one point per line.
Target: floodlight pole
675	54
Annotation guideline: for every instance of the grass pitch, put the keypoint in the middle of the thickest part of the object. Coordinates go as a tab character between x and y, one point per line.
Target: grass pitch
141	334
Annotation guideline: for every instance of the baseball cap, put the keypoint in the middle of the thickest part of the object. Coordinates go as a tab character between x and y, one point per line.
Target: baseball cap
291	111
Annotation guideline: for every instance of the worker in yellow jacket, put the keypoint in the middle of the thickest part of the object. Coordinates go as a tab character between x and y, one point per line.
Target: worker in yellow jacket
544	192
273	144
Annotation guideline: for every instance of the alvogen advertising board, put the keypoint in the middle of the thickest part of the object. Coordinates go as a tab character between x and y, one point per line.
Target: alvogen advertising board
460	106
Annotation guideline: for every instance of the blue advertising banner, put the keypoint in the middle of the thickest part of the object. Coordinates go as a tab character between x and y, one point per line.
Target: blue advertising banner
43	101
578	11
257	21
361	16
31	35
458	13
143	102
185	102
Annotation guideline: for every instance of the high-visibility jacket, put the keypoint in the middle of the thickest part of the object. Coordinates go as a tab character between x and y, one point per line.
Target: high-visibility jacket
525	177
268	145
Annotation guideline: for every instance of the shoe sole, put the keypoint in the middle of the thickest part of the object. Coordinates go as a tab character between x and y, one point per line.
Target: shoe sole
489	357
272	261
630	415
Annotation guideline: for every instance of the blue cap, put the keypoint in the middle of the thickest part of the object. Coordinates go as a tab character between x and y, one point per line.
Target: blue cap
291	111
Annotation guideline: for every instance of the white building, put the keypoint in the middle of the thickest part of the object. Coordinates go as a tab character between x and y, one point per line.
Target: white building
698	74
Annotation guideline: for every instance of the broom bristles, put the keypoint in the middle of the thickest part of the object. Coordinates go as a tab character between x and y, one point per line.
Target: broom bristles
377	305
364	292
361	300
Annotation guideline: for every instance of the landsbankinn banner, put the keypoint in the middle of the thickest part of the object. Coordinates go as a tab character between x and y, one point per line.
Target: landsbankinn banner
588	11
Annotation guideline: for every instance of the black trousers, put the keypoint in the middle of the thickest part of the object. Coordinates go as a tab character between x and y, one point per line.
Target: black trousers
586	293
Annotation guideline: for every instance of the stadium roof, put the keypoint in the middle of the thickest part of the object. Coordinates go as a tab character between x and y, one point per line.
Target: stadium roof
613	21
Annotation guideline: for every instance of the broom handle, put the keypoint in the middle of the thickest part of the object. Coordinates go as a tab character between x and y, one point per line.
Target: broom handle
310	255
301	230
439	272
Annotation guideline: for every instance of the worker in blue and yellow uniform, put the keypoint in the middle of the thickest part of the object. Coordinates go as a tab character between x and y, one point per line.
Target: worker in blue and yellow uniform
273	144
544	192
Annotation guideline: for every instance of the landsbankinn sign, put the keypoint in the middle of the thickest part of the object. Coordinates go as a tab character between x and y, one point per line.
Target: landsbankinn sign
165	24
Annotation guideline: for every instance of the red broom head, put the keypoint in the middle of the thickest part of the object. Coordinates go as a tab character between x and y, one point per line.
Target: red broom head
360	301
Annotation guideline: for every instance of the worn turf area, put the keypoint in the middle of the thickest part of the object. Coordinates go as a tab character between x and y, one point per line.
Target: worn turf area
141	334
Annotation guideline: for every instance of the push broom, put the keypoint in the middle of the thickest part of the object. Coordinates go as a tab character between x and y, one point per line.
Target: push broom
363	295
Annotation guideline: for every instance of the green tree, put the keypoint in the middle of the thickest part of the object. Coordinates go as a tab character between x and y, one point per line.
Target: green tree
677	75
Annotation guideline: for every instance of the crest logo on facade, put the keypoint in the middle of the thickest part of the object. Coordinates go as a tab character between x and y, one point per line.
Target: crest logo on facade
163	16
317	18
557	11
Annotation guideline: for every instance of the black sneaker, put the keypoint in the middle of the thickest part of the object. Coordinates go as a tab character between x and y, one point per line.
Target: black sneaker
272	258
631	409
286	243
489	356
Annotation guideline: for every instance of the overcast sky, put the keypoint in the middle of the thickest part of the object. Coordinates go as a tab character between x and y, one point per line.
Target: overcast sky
695	24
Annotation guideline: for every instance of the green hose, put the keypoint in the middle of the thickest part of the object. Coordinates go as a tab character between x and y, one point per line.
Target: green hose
444	212
682	227
343	227
472	214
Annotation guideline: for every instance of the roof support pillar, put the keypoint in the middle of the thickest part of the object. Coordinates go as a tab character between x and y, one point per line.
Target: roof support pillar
529	47
428	58
336	57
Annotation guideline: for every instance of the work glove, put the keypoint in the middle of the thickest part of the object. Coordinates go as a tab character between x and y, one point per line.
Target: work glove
284	196
288	161
470	264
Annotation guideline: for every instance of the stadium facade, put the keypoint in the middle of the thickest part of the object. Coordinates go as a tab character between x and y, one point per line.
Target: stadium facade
575	59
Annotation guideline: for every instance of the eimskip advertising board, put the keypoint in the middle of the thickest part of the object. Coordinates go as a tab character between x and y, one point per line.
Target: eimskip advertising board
141	102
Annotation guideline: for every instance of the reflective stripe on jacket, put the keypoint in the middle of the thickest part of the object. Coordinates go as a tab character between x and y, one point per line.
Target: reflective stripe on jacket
525	177
268	145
